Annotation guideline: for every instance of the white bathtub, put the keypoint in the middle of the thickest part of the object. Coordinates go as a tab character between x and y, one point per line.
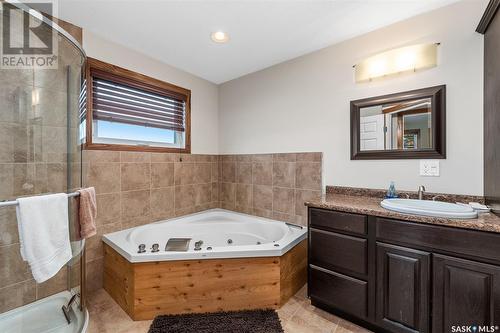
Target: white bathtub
225	234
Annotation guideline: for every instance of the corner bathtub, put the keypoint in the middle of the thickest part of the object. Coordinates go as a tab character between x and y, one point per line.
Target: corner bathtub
224	234
245	262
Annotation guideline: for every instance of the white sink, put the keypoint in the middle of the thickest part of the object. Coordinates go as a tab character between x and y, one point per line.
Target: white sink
429	208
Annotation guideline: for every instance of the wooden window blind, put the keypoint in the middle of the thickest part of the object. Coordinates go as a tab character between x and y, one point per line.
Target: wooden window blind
124	103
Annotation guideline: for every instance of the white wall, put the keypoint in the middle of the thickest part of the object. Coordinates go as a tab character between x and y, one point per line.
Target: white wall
303	104
204	94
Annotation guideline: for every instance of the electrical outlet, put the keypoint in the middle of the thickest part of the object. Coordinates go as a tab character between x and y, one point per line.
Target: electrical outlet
429	168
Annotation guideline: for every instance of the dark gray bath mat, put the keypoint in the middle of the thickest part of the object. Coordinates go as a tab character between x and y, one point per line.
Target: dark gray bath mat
251	321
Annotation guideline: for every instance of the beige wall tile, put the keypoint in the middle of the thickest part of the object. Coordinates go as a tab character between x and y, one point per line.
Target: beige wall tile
95	244
228	158
8	226
162	175
105	177
284	200
187	158
184	173
203	194
51	177
308	175
215	192
244	195
164	157
302	196
54	144
108	208
285	157
135	204
262	158
24	179
53	285
229	172
215	171
162	203
227	193
12	267
244	158
263	213
17	295
285	217
135	176
101	156
284	174
7	181
244	173
263	197
136	221
309	157
262	173
184	196
203	173
135	157
202	158
94	274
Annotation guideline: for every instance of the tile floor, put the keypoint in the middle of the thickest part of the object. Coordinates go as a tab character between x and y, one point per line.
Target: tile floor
297	316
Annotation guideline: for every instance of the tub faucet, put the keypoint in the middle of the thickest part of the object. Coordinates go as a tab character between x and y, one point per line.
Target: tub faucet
421	191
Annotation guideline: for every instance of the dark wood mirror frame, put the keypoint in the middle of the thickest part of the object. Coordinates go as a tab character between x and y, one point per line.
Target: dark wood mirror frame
438	120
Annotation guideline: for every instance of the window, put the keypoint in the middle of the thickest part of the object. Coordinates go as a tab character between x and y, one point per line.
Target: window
130	111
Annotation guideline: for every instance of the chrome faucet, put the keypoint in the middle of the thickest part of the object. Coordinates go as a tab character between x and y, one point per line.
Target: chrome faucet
421	191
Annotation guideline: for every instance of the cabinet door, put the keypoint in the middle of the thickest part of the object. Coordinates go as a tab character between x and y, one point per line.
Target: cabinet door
403	288
465	293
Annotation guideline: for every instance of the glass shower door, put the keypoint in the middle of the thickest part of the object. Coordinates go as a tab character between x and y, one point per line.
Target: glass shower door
40	153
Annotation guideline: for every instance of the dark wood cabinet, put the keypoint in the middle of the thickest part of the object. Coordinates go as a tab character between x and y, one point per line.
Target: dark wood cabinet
338	290
465	293
403	277
339	252
403	287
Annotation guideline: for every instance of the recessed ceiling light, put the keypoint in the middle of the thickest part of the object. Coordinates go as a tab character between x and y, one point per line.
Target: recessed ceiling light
219	37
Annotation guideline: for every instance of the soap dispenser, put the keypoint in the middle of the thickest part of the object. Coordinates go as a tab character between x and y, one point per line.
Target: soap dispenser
391	192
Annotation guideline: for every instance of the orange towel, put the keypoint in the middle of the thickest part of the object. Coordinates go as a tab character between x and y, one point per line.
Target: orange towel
87	212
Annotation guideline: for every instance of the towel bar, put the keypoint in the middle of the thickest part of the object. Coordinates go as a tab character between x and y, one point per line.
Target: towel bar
15	203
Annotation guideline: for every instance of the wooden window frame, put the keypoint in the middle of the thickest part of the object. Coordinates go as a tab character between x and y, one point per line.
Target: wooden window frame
140	81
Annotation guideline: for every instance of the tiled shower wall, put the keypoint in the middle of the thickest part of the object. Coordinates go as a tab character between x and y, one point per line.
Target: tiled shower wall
270	185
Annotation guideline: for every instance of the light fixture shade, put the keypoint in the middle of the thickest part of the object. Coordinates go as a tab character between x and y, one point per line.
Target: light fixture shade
405	59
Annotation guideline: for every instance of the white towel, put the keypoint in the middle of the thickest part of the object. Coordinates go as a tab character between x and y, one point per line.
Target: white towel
44	233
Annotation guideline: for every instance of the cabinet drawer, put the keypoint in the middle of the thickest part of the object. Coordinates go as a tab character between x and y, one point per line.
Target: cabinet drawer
340	291
338	221
338	252
479	244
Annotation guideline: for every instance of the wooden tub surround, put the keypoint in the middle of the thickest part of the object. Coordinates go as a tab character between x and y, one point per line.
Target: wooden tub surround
145	290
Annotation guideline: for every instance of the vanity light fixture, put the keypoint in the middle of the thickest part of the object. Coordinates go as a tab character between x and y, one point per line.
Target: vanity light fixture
220	37
396	61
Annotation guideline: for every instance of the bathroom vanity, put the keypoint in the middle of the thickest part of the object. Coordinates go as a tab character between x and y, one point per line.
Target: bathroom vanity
394	272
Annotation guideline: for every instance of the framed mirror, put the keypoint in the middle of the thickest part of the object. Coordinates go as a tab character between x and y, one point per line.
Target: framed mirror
405	125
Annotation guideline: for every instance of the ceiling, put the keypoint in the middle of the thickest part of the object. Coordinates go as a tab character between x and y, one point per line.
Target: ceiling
262	33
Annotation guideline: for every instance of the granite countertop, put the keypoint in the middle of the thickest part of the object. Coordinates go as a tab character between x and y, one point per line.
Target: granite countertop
371	206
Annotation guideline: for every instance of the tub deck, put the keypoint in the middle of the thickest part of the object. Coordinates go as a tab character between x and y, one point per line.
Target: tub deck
145	290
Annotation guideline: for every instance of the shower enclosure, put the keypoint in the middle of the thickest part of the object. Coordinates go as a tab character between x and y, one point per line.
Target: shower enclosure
40	152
